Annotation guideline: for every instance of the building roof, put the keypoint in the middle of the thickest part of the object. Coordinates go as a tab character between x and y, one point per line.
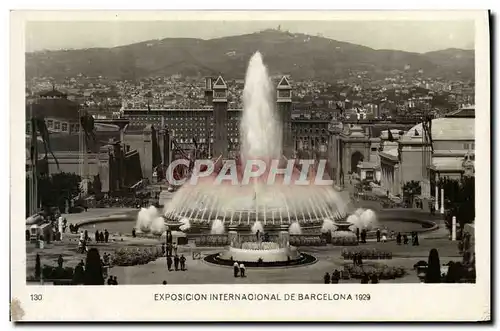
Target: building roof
390	150
56	108
447	129
465	112
448	163
53	94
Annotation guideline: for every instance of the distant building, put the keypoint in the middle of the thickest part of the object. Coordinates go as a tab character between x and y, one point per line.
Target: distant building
453	142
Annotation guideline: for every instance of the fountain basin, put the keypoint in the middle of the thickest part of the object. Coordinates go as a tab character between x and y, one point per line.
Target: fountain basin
267	255
303	260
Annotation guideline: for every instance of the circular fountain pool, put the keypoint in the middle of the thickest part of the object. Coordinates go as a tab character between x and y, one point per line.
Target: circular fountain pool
125	225
301	260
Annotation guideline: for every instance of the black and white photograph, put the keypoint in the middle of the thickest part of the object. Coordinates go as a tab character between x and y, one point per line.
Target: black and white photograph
253	151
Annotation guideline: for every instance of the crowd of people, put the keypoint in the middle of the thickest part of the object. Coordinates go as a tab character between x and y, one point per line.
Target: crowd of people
337	275
99	237
404	239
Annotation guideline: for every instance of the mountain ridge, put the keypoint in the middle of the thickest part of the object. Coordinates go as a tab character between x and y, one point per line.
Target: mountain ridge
283	52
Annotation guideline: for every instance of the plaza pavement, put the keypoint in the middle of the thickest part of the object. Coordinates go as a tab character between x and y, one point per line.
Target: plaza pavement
200	272
329	259
96	213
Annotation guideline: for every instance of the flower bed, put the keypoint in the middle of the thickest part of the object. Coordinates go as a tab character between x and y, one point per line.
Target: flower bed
305	240
343	238
134	256
366	254
212	241
52	272
382	271
259	246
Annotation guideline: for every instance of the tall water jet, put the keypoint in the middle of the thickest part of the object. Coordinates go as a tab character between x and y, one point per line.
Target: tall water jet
260	125
257	226
254	205
295	228
217	227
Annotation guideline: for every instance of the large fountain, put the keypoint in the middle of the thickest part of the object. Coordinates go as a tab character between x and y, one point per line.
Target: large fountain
241	204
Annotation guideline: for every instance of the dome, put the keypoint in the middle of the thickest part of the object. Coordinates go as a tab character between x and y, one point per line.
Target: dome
447	129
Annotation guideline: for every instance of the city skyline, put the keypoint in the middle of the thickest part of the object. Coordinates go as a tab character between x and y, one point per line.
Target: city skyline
431	36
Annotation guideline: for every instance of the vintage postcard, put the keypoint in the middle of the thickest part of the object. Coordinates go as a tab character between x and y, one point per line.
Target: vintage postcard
250	166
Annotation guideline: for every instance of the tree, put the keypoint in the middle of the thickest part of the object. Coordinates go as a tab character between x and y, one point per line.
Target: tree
411	189
56	189
459	199
38	267
93	268
433	274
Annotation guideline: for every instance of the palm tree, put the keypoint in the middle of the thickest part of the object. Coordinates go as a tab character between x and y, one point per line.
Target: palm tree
88	126
40	128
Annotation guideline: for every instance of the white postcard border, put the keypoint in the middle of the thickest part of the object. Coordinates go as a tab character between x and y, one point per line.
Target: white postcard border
444	302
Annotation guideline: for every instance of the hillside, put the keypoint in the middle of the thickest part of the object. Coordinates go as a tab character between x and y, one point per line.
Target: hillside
300	55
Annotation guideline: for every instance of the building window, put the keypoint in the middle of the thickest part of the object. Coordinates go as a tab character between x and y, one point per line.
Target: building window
374	149
50	124
57	125
28	127
64	127
468	146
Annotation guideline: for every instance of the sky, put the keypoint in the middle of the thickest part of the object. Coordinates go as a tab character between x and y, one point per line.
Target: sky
412	36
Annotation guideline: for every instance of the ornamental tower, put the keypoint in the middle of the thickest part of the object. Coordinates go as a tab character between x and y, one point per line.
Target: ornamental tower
284	101
219	101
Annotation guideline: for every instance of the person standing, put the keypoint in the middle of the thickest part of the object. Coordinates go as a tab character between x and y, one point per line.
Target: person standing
169	263
106	235
242	270
96	236
176	263
60	261
378	235
357	234
182	261
365	279
236	268
398	238
326	278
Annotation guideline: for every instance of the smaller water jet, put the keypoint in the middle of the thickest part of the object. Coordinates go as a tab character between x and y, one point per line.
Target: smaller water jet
328	226
145	219
158	225
257	226
217	227
363	219
186	225
295	228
